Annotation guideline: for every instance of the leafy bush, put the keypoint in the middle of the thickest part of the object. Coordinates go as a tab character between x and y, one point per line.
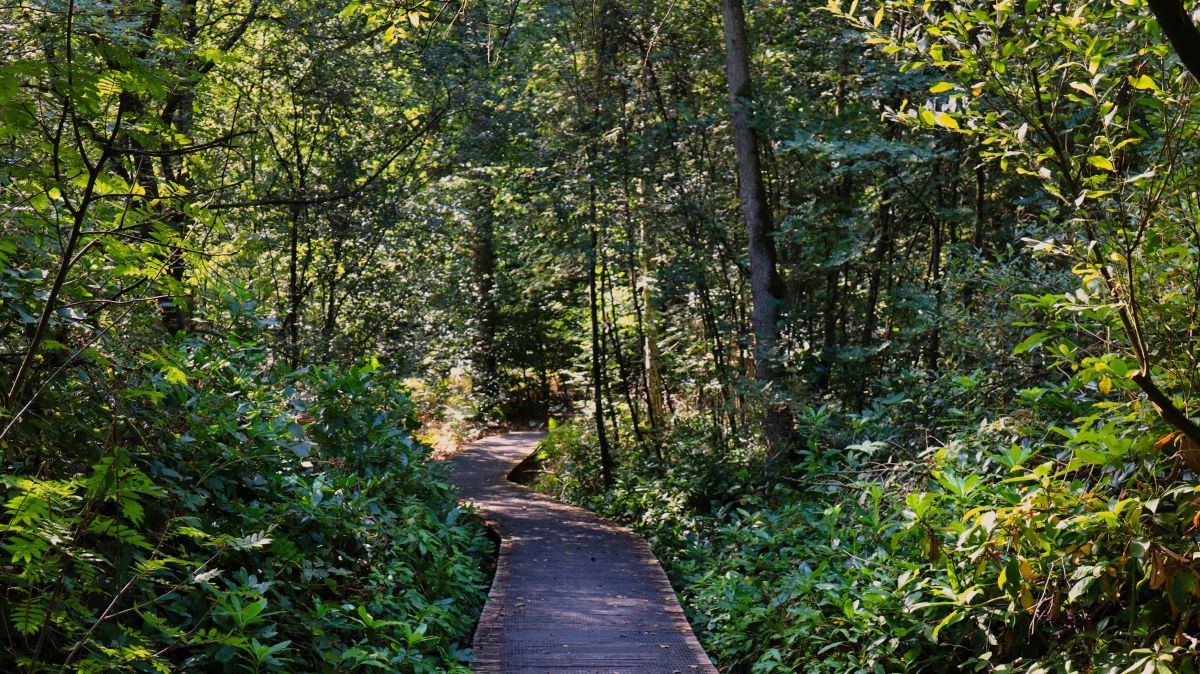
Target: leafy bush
216	513
1005	548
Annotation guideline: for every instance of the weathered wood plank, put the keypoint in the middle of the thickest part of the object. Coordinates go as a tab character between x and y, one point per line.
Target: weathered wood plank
573	593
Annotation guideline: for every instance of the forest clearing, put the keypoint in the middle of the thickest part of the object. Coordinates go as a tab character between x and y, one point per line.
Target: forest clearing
836	337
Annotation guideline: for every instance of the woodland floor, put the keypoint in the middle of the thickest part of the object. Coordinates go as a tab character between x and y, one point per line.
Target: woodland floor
573	593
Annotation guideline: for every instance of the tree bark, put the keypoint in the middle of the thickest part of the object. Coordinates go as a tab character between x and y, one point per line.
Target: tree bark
648	318
1177	26
766	291
483	272
606	463
292	318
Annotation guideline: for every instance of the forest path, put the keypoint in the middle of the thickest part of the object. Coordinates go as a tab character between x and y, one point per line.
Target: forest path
573	593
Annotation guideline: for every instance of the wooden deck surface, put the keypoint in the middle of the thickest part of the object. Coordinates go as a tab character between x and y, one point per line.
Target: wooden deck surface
573	593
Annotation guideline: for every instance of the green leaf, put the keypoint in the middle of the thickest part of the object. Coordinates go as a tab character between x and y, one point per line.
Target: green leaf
176	376
1091	456
946	120
1080	587
1144	82
28	617
949	619
1084	87
1102	163
1031	342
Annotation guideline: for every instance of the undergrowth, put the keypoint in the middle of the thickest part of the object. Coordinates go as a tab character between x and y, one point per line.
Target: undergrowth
1057	537
211	511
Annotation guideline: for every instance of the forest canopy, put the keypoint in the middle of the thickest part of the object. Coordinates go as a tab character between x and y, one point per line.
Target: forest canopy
878	319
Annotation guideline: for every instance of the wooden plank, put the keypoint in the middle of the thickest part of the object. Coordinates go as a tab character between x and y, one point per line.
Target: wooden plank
573	592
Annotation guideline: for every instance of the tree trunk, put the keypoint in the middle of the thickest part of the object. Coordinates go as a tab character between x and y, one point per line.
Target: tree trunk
766	292
606	463
651	352
179	111
483	276
292	319
1177	26
625	368
829	334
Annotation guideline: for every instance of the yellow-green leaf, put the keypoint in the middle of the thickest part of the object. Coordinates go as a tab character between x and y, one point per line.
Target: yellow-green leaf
1101	163
940	87
1143	82
1084	87
946	120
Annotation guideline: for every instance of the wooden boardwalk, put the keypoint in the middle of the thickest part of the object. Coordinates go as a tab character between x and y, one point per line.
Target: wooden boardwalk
573	593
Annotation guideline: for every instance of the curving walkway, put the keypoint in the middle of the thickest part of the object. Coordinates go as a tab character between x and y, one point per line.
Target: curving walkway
573	593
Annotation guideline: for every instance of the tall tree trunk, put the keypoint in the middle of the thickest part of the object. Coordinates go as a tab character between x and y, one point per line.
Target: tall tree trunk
766	292
606	351
933	342
480	154
483	273
829	334
651	352
606	462
625	367
603	31
292	318
878	269
332	283
1177	26
179	111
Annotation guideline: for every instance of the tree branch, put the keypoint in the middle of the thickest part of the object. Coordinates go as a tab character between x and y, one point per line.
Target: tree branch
1166	407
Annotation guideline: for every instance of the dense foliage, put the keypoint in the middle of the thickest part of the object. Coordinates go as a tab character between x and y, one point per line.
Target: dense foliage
877	318
220	514
987	244
190	479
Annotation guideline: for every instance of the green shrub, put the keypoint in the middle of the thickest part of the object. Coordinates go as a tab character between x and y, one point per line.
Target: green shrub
1035	542
216	513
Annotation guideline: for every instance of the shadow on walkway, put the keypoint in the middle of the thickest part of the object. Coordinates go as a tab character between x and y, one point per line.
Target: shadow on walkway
573	593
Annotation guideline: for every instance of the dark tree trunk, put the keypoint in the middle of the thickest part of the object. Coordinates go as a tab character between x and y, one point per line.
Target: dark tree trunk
766	291
177	312
606	463
292	319
332	284
981	221
179	112
883	245
829	333
1177	25
933	344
